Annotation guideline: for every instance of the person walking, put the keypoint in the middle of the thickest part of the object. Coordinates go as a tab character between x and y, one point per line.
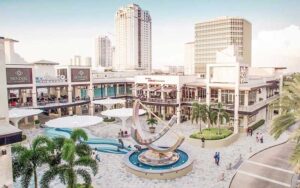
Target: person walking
257	137
261	138
217	158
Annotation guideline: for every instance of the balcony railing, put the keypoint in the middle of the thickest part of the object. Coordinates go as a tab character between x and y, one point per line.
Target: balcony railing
258	104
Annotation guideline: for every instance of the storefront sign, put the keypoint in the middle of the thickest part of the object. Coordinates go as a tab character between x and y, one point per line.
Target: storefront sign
18	76
80	75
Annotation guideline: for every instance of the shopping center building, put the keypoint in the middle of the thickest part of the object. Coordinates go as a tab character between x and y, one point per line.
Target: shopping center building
245	92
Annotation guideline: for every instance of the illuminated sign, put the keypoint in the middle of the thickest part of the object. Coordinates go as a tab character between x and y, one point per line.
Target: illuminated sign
80	75
18	76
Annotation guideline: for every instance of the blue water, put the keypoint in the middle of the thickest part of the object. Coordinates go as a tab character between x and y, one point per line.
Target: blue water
133	158
100	144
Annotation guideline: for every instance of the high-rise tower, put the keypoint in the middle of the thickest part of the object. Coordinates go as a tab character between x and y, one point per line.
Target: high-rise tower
133	39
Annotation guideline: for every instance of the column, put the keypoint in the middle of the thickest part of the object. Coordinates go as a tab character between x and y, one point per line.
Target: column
245	121
6	176
59	112
246	98
148	92
134	91
196	94
162	96
163	112
70	96
208	94
117	89
24	96
57	94
91	95
106	90
178	114
236	100
219	95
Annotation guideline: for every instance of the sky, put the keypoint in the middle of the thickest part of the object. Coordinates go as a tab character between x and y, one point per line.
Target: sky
59	29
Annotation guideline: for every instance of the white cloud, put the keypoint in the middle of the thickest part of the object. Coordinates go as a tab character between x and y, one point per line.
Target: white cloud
278	48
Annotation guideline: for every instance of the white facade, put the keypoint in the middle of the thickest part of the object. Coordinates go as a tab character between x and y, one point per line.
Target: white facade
9	52
103	56
133	39
189	62
88	61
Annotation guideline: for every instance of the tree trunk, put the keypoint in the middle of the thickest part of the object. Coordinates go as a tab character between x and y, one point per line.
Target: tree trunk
219	131
200	127
35	179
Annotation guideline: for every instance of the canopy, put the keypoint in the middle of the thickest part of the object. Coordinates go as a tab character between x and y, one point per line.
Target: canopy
22	112
74	121
109	101
121	112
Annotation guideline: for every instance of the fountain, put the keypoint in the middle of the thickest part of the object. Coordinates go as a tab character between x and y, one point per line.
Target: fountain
152	161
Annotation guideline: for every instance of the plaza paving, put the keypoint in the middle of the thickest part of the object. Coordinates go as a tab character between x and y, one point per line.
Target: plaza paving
267	169
205	173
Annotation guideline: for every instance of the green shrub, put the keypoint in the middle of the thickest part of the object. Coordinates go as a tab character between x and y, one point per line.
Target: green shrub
257	124
36	122
212	134
106	119
83	186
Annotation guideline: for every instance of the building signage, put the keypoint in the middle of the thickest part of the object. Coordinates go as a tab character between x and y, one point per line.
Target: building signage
153	80
18	76
80	75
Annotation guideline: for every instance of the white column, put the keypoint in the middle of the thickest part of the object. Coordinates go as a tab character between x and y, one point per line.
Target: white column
148	92
246	98
245	121
236	100
57	94
117	89
6	177
207	85
59	112
196	94
70	96
163	112
219	95
178	114
106	90
91	95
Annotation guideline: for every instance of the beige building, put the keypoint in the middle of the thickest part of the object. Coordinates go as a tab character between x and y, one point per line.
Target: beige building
216	35
189	58
133	49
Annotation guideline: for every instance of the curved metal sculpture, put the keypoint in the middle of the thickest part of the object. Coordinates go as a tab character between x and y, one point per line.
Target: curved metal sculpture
138	135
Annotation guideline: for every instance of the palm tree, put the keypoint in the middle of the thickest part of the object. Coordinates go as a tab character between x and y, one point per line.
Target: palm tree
289	106
221	114
151	121
27	160
75	154
211	115
199	113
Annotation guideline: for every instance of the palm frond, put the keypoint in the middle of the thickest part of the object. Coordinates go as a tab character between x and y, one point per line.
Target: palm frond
78	134
83	149
68	150
85	176
87	162
26	178
281	124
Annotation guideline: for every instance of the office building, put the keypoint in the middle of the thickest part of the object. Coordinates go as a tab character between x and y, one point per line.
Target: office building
103	56
215	35
189	63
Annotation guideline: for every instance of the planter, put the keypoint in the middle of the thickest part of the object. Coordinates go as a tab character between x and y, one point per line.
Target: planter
152	129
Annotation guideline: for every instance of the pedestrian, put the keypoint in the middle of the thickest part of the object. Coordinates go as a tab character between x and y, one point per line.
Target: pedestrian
97	157
251	131
257	137
215	157
261	138
218	158
247	130
203	142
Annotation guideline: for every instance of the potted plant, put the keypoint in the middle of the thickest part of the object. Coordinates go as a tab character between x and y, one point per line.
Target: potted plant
37	122
152	122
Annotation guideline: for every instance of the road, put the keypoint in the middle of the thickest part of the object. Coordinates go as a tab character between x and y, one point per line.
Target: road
267	169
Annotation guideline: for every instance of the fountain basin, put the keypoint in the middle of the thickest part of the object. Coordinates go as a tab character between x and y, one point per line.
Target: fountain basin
168	170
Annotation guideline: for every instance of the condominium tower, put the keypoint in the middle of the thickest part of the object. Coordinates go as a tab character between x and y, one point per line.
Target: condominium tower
133	39
103	56
216	35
